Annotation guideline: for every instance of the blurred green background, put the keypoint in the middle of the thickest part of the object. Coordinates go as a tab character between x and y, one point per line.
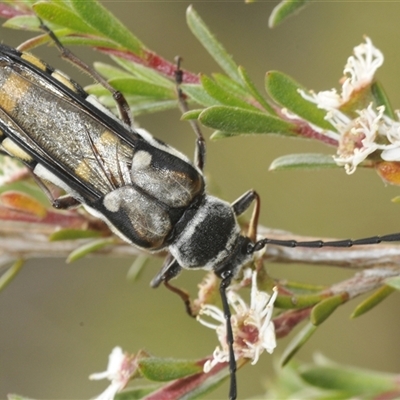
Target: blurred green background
59	322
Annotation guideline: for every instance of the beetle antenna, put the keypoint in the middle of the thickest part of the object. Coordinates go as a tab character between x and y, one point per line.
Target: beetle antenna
394	237
226	279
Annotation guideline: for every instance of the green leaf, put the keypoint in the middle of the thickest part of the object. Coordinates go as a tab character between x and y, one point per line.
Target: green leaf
352	380
137	267
198	94
167	369
297	301
393	282
23	22
210	43
83	40
138	87
372	301
59	14
297	343
325	308
305	161
230	85
151	106
87	248
239	121
285	9
109	71
253	90
381	99
192	114
284	90
73	234
7	276
13	396
222	95
100	19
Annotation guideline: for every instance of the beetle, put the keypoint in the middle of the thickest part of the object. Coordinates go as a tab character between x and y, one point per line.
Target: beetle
147	192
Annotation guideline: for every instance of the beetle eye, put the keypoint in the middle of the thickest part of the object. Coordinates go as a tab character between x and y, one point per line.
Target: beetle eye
247	246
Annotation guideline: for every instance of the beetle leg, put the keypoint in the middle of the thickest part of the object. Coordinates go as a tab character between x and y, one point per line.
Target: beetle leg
122	105
200	153
242	204
225	282
170	270
65	202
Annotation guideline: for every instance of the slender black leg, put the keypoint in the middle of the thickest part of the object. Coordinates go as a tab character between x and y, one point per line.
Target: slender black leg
122	104
225	282
200	153
65	202
170	270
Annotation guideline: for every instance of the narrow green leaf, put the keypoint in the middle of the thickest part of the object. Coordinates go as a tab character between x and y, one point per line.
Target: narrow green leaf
325	308
82	40
253	90
137	267
167	369
297	301
13	396
305	161
192	114
381	99
222	95
100	19
59	14
210	43
239	121
393	282
198	94
297	343
23	22
139	104
355	381
285	9
73	234
7	276
138	87
372	301
284	90
230	85
87	248
109	71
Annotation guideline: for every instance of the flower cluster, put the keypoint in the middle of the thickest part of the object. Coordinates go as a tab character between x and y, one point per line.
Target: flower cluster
361	129
253	329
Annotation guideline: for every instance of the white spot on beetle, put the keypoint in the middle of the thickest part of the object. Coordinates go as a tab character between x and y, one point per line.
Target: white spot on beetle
141	160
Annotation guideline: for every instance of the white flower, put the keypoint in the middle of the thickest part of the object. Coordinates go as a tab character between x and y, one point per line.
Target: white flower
252	327
120	369
359	72
360	137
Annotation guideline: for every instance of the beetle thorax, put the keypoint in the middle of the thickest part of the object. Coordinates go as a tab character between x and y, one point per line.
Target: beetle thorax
210	237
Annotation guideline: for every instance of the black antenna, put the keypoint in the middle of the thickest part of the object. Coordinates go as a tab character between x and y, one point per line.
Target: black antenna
394	237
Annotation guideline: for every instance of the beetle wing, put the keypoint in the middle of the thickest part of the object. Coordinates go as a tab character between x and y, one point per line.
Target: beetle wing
50	125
